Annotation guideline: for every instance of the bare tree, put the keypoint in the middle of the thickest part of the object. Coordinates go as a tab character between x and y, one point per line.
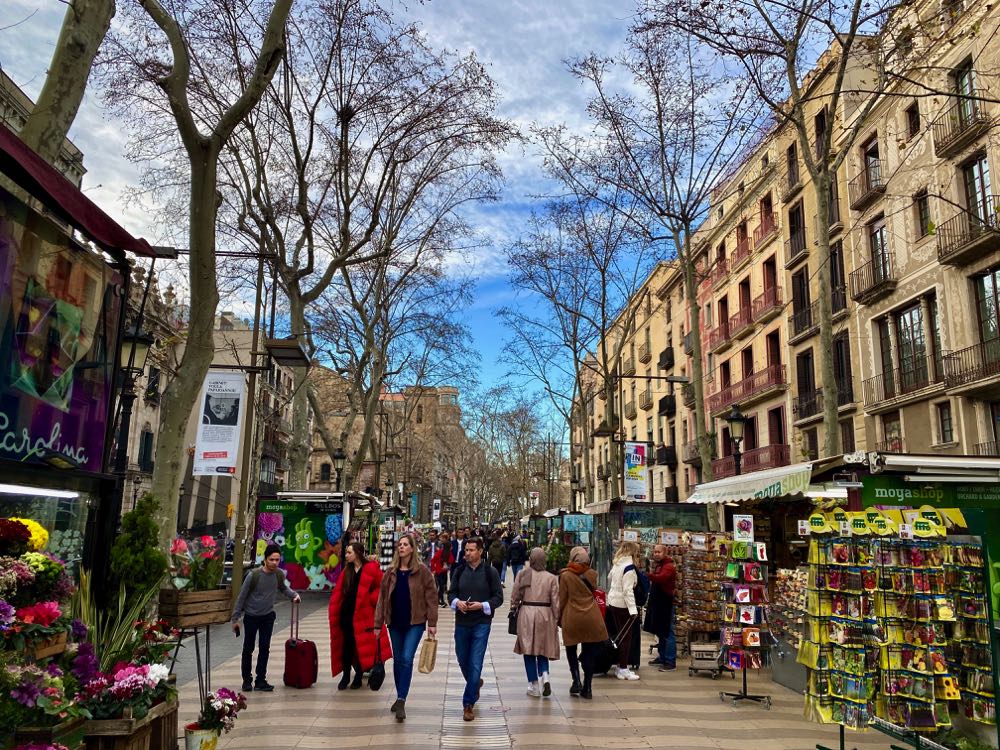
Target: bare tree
667	143
166	77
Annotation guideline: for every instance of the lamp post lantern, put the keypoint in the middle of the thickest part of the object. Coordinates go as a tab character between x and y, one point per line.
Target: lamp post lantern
737	422
339	459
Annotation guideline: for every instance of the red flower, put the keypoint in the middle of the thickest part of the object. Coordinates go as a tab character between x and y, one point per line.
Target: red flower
207	541
43	613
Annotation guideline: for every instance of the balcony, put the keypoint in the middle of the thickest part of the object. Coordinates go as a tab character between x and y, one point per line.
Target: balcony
767	305
691	454
751	389
974	368
758	459
602	472
688	343
645	355
741	254
741	321
866	186
796	248
838	300
667	406
666	360
630	410
874	280
666	455
646	399
720	271
836	222
803	323
989	448
718	337
888	389
810	404
687	395
766	231
967	237
891	445
628	366
959	125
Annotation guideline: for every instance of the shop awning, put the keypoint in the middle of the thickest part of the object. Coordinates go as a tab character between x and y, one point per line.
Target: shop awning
786	480
44	182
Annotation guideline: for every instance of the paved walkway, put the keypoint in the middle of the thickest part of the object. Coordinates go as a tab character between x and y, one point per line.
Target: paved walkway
662	710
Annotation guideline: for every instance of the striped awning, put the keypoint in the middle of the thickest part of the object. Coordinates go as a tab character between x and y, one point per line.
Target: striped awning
771	483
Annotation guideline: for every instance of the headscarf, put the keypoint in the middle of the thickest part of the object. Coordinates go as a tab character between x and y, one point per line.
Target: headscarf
579	560
536	561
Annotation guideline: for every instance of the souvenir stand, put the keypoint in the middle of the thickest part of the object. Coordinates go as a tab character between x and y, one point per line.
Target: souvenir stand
703	570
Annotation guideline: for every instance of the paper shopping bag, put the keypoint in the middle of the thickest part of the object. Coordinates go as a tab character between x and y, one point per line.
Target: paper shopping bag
428	655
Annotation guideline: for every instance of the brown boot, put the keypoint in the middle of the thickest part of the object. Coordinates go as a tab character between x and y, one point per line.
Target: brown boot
467	714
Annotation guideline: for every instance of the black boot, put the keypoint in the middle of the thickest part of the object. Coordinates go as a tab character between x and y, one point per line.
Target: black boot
585	692
356	682
345	679
576	687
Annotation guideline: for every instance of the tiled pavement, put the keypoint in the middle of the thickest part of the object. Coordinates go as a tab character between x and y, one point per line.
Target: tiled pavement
662	710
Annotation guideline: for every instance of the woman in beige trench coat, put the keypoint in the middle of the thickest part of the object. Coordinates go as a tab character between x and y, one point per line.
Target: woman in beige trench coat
536	596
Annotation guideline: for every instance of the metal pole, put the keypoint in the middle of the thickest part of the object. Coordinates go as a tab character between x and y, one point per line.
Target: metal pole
737	457
239	546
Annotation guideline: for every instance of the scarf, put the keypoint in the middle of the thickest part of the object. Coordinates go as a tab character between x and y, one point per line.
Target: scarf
536	561
578	568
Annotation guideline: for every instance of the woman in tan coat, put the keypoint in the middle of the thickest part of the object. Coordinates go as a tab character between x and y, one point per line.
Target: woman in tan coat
580	618
536	597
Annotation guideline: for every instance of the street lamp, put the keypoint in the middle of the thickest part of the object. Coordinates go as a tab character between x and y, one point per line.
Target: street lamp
736	421
339	459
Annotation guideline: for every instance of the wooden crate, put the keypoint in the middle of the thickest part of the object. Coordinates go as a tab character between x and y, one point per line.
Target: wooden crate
69	733
127	724
51	647
188	609
164	735
137	740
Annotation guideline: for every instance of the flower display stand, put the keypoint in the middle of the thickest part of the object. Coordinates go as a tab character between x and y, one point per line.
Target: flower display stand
191	609
69	733
129	733
164	726
50	647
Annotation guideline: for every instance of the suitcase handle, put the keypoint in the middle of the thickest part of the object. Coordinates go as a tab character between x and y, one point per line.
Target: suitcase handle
294	628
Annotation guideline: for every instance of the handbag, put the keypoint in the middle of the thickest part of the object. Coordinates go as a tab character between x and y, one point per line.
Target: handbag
512	620
428	655
377	676
599	596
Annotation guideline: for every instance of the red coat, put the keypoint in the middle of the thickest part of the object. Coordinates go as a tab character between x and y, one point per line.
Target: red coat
442	561
364	620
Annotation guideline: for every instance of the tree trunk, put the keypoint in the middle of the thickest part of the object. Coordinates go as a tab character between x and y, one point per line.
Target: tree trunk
182	393
301	442
697	372
828	376
83	29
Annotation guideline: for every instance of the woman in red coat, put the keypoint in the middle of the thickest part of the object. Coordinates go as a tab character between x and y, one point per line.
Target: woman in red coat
352	618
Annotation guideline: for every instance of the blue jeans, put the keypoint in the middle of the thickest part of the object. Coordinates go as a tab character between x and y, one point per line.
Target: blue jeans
503	572
404	647
470	648
535	665
515	569
666	646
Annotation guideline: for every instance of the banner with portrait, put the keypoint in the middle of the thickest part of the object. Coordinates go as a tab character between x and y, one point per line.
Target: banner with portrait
636	483
217	445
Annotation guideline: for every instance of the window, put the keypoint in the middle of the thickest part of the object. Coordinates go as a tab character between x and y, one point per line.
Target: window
800	300
842	368
750	434
988	305
267	468
720	252
878	245
965	91
838	281
324	472
153	385
946	431
792	164
810	444
870	162
885	352
912	120
764	162
448	399
420	414
805	375
911	346
776	426
976	178
746	357
145	459
935	326
820	125
922	213
796	230
649	429
847	435
892	433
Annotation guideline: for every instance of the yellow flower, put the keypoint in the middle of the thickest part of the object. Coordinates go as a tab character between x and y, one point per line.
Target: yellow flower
39	536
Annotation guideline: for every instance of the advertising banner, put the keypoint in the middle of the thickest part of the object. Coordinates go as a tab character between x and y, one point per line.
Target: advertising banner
636	484
310	535
436	510
578	522
59	308
217	446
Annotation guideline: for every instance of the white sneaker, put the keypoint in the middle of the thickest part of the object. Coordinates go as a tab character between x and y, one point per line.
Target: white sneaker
533	690
626	674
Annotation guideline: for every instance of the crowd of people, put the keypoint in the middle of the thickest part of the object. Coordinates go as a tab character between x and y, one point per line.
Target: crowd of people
376	616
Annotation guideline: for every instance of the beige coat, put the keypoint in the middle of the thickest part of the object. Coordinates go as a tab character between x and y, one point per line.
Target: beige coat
537	626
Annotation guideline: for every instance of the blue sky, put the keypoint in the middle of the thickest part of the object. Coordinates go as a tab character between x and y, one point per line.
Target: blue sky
523	44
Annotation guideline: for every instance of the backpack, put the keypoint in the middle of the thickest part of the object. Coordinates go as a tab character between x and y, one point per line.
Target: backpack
255	577
641	589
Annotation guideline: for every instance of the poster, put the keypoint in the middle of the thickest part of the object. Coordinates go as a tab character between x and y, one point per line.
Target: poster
59	310
670	537
217	445
436	512
310	535
742	528
578	522
636	484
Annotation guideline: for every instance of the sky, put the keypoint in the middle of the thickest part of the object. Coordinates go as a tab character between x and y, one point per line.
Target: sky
523	44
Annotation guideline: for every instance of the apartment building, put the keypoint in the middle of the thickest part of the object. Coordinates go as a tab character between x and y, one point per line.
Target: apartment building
925	247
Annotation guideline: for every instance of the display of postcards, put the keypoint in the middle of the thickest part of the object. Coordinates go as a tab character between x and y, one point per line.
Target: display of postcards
732	637
753	572
856	715
928	582
908	685
979	708
734	660
732	570
740	551
731	613
918	607
976	680
742	595
852	687
971	607
840	553
976	655
844	632
750	615
923	633
751	637
753	659
760	551
921	555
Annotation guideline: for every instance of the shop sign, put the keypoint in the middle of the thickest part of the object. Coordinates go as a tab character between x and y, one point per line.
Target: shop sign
891	490
636	482
217	444
310	535
59	308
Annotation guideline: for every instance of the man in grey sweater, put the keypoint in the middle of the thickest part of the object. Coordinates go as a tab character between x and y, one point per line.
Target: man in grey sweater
255	605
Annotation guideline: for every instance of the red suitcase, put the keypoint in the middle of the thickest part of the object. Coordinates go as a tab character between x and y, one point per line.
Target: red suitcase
301	657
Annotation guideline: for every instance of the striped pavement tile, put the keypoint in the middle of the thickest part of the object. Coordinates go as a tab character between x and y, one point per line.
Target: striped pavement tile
661	710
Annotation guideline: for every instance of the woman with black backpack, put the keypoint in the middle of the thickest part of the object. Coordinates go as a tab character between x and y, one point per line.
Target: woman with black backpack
580	619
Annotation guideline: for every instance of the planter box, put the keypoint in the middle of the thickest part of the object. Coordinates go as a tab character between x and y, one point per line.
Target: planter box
68	733
164	736
188	609
138	740
128	733
51	647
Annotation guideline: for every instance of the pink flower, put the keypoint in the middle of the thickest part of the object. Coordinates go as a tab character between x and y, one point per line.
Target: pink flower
43	613
178	547
207	541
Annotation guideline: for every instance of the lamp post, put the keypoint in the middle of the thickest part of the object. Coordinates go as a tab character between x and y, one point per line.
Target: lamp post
736	421
339	459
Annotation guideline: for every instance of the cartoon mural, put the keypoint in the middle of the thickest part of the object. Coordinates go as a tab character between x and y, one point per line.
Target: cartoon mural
310	535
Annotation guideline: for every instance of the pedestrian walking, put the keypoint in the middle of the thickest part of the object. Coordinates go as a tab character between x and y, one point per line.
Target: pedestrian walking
535	597
517	555
660	608
430	548
505	539
407	604
351	614
441	563
496	554
580	619
475	595
622	608
255	606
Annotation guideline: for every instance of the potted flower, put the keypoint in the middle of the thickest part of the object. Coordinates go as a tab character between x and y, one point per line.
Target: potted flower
196	567
37	704
218	715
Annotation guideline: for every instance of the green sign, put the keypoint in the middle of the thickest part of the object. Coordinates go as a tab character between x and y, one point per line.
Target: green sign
892	490
310	536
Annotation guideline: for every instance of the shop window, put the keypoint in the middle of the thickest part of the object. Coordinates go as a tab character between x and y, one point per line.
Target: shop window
946	429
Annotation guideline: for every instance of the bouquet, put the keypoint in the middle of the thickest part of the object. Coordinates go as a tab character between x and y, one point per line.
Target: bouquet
130	686
196	564
153	641
220	710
